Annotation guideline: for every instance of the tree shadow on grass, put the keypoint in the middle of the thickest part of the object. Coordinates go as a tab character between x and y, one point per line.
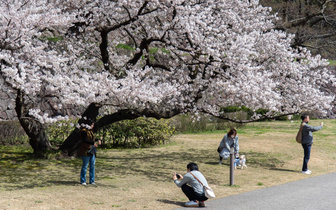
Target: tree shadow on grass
15	156
19	170
283	169
156	167
66	183
159	166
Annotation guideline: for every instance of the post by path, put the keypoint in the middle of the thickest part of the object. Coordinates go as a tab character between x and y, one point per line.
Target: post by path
232	159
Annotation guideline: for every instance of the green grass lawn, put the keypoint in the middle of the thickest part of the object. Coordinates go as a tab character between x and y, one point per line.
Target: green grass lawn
123	175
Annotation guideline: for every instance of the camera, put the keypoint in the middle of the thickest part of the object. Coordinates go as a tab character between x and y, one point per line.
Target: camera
178	176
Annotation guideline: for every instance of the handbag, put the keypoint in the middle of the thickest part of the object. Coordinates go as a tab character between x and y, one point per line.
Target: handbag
299	134
92	150
208	191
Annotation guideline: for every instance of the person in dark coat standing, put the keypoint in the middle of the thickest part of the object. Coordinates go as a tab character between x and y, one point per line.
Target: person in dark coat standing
307	141
88	151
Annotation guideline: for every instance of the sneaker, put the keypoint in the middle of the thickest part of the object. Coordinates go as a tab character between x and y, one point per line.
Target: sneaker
93	183
191	204
220	162
306	172
309	171
201	204
84	184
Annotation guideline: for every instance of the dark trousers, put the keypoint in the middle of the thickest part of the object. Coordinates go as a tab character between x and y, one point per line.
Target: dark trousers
191	194
306	149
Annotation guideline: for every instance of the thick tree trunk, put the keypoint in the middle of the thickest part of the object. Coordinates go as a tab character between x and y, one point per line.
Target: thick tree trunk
35	130
71	145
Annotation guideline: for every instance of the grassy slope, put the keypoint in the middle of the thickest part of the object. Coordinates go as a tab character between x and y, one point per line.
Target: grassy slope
137	179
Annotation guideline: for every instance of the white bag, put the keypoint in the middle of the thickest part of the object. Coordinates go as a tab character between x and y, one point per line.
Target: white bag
209	193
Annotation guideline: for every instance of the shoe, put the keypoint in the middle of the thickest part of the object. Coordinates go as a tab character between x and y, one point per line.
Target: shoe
201	204
84	184
220	163
93	183
306	172
309	171
191	204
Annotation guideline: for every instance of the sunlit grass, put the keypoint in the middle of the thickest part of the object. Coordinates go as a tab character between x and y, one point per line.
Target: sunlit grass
123	175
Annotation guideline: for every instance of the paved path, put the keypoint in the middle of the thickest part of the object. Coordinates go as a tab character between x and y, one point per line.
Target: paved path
312	193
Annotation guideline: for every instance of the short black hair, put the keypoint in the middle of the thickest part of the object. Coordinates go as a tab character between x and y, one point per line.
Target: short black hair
304	116
192	167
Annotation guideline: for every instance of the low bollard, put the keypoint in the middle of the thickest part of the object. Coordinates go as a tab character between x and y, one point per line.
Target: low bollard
232	159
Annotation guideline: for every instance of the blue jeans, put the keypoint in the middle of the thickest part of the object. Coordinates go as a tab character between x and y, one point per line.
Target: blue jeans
86	160
306	149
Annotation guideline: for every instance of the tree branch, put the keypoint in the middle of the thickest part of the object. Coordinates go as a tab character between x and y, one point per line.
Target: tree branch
130	114
264	117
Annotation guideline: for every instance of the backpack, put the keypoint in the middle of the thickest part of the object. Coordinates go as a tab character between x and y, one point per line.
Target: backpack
299	134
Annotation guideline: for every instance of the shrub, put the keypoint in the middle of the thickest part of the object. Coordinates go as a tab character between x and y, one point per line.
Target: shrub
140	132
11	133
59	131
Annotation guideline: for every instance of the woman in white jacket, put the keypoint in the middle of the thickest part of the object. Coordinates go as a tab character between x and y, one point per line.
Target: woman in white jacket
229	140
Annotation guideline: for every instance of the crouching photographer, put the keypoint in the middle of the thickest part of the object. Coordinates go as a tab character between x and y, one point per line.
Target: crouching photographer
192	185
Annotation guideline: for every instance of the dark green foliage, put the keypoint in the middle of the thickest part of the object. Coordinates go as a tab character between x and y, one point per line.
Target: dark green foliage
235	109
232	109
59	131
125	47
11	133
52	39
283	118
141	132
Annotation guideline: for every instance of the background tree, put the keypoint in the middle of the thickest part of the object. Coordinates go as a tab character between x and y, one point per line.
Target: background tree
155	59
313	23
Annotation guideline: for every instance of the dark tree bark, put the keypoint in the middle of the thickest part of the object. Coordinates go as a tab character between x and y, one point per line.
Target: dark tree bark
35	130
103	49
71	145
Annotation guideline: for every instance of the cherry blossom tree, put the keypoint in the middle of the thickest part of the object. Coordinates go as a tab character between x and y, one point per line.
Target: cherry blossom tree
25	57
153	58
